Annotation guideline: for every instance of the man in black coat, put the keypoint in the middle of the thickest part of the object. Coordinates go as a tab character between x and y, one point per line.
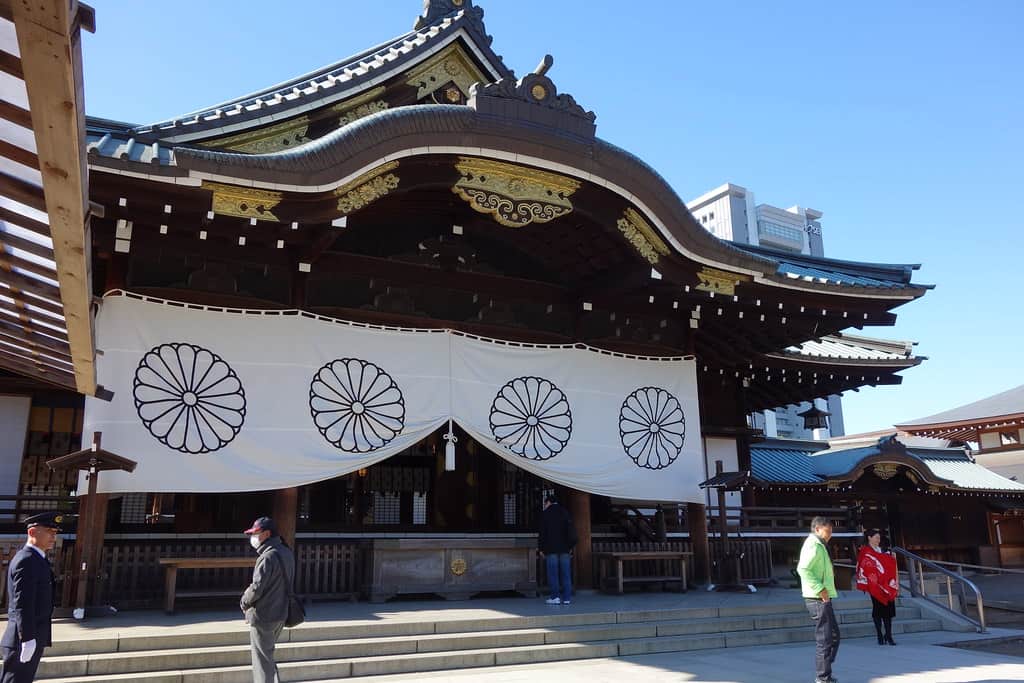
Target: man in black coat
265	601
556	541
30	604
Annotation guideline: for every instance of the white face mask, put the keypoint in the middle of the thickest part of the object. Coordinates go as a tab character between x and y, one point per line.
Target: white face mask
254	541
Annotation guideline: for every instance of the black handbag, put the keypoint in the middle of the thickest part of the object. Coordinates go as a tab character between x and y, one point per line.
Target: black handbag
296	612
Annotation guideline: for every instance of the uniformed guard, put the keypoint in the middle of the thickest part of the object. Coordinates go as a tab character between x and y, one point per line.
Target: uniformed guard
30	604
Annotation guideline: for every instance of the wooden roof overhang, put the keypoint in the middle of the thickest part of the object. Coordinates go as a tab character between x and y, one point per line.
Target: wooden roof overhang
626	250
1000	412
45	248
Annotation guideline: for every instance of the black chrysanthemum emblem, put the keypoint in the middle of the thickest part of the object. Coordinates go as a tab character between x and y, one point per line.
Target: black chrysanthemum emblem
189	398
530	416
356	405
652	427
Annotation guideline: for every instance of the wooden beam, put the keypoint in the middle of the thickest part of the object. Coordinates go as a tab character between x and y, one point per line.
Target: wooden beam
11	64
19	154
22	192
23	221
8	239
26	365
51	56
20	310
15	114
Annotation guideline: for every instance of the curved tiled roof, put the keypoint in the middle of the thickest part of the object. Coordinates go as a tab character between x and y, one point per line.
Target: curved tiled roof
847	347
332	82
809	463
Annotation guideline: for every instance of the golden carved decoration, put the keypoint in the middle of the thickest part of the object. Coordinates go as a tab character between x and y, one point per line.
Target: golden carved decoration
642	236
513	195
449	65
294	132
886	470
453	94
244	202
538	92
367	188
719	281
459	566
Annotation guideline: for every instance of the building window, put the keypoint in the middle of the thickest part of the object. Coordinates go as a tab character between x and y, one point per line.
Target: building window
419	508
711	216
387	508
784	232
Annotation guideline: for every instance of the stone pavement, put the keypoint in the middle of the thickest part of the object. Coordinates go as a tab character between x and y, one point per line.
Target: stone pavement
917	659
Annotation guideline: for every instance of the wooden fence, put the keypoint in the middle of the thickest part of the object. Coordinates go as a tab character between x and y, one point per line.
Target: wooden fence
131	576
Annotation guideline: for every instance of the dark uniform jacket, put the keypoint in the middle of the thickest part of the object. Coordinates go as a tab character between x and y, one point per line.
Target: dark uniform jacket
265	601
557	534
30	606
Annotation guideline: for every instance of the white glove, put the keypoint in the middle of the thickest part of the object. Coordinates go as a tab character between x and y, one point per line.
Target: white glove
28	648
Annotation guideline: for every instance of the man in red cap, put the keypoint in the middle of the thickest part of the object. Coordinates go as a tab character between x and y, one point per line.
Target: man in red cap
30	603
265	601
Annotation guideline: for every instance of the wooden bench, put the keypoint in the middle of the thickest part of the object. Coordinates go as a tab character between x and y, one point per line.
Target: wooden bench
618	559
173	564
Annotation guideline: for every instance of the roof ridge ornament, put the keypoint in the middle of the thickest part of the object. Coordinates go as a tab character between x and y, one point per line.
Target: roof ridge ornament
434	10
533	97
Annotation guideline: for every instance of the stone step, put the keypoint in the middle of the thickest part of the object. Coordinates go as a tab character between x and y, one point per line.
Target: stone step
202	655
313	631
345	667
116	663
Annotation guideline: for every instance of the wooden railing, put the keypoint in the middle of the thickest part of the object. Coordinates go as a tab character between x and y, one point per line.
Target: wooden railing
13	509
784	519
132	577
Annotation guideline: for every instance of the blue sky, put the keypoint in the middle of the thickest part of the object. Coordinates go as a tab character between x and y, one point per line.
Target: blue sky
902	122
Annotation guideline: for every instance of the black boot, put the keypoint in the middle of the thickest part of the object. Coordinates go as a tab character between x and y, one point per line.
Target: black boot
878	630
888	632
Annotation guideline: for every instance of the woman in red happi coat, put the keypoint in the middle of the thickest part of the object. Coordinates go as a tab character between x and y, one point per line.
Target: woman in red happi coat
878	577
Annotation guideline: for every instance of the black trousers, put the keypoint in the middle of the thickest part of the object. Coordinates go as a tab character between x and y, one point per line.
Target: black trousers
882	615
15	671
826	636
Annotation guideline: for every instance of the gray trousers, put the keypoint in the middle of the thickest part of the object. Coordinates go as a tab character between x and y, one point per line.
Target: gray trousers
263	638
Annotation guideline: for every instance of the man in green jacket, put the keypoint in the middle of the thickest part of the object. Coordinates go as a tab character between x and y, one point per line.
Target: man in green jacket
818	582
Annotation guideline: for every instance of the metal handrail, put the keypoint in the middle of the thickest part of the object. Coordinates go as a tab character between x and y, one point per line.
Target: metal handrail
915	567
980	567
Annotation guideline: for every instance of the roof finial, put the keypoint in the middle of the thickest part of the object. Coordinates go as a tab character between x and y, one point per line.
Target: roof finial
546	63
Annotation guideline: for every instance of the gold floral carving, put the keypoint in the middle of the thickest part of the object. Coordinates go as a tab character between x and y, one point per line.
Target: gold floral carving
514	195
642	236
886	470
450	65
294	132
244	202
719	281
459	566
367	188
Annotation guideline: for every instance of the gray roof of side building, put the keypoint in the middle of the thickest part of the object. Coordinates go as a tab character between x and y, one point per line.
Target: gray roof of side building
827	270
1006	403
779	461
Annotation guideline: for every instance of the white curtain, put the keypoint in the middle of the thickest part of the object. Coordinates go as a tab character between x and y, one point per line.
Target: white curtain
212	400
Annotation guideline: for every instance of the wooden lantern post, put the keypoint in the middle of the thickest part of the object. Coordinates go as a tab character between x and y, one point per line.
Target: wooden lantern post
92	518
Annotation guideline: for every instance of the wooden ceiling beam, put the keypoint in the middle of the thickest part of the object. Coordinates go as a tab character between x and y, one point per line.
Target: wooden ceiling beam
22	192
19	310
23	221
8	239
15	114
19	155
27	366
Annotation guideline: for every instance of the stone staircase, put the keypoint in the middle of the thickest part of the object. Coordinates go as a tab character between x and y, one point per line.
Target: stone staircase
327	651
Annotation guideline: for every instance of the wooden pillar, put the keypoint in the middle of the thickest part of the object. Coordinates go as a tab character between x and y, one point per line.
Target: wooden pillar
697	522
579	506
92	525
286	511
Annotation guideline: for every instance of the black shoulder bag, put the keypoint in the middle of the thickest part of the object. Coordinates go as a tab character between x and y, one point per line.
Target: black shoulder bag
296	612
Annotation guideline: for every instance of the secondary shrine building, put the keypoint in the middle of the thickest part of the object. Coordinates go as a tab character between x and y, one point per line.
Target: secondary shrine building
306	296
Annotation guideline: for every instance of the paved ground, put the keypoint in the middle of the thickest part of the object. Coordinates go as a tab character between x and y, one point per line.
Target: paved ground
915	660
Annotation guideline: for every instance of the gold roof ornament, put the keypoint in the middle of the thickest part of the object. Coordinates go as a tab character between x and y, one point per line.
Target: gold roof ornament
243	202
641	235
367	188
719	281
513	195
